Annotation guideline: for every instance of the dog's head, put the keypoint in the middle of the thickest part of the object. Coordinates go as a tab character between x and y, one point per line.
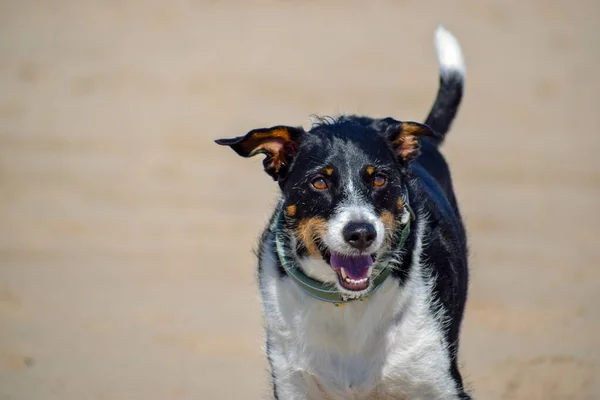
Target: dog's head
342	184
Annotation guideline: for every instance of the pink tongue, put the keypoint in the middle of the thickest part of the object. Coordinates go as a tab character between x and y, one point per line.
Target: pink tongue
355	267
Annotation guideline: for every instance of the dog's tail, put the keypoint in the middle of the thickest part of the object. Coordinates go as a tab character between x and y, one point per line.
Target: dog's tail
452	78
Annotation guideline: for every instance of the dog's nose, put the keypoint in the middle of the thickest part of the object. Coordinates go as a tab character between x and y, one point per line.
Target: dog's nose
359	235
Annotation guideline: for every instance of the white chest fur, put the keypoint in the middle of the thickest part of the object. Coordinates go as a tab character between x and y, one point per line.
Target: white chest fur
388	347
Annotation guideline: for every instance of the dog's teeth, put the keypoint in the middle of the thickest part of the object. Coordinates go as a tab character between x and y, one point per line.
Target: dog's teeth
370	270
347	279
356	281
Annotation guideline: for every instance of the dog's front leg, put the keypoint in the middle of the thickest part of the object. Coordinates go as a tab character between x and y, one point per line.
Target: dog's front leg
291	386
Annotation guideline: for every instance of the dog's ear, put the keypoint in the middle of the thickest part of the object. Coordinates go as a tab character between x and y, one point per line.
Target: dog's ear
406	139
278	143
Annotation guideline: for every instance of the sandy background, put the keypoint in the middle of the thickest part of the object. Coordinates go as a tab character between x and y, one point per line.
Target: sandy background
126	269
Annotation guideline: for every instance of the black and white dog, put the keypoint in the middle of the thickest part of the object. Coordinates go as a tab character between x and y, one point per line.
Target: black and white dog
363	266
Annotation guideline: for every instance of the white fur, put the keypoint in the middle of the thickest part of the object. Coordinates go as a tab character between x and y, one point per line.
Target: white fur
448	51
319	270
388	347
334	240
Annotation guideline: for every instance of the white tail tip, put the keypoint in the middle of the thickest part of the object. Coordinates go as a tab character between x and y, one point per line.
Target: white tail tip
448	52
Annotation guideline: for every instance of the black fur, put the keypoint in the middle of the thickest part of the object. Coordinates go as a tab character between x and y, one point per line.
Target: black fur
412	167
447	101
428	183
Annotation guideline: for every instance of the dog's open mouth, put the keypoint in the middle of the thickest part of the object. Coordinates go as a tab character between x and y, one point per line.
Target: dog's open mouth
353	272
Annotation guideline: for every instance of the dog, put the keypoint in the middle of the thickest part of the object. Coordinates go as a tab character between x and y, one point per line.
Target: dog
362	268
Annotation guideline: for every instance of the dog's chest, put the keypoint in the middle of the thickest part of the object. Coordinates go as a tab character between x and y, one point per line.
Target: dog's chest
385	347
341	351
343	357
390	346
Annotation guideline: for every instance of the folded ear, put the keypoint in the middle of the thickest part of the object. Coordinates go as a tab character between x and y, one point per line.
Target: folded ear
278	143
405	138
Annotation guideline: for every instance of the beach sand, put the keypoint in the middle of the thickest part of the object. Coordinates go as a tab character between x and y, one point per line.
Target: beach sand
126	234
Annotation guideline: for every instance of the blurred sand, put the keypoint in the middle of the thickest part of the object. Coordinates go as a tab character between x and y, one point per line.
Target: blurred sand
126	269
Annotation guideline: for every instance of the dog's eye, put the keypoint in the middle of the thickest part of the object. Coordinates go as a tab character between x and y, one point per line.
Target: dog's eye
379	181
319	183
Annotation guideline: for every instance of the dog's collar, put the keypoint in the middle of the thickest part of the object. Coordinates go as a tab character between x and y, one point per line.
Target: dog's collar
326	291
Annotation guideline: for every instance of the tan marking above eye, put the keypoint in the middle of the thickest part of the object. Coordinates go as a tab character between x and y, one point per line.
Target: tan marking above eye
319	183
379	180
370	169
329	171
291	210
